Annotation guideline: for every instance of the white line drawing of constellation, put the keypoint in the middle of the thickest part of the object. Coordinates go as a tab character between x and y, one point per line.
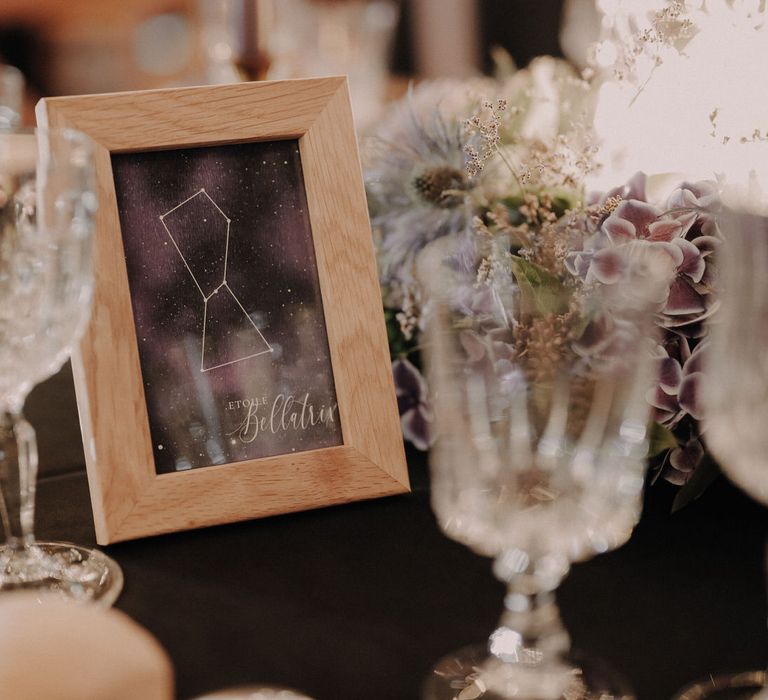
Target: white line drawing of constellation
207	276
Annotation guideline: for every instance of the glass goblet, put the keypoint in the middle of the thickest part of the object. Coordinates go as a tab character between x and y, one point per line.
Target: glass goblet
735	686
47	206
541	419
735	393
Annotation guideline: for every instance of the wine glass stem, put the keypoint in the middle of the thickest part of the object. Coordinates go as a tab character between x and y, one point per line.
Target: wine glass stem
18	478
531	621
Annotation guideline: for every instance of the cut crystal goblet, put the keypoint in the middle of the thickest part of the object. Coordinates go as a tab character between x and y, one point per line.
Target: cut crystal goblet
542	439
735	392
47	206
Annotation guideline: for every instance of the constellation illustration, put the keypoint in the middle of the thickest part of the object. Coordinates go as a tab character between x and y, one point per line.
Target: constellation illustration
199	218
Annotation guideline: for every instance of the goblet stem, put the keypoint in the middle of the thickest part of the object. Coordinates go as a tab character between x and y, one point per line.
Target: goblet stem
530	643
528	656
18	478
530	629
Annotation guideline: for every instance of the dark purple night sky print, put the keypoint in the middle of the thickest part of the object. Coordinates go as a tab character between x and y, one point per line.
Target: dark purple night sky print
226	302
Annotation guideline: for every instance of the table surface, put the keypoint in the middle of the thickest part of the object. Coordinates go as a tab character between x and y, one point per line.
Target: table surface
357	601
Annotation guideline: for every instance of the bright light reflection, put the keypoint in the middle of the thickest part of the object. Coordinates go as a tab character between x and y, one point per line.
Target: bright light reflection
703	112
506	644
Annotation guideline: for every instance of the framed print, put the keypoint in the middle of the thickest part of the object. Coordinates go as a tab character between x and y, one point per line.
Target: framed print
236	363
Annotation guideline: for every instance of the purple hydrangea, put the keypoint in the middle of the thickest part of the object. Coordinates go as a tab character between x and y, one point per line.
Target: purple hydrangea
677	391
412	402
683	461
684	232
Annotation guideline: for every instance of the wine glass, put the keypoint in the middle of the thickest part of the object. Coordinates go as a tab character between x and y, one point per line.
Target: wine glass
47	206
541	418
735	393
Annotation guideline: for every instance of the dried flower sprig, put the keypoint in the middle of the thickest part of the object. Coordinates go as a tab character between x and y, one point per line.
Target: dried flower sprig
668	27
757	135
486	124
565	161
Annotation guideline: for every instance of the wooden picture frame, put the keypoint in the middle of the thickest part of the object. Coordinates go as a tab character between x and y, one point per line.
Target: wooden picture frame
130	499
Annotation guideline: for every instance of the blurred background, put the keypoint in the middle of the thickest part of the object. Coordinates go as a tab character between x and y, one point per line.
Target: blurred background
86	46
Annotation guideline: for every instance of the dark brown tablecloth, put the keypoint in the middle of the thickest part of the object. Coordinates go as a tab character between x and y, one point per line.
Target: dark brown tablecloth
355	602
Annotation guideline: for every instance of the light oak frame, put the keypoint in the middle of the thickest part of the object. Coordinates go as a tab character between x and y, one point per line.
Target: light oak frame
129	498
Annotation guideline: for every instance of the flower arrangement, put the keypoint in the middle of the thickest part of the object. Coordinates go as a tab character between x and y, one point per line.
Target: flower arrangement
503	190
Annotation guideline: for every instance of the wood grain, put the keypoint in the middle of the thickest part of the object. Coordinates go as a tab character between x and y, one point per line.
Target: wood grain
129	498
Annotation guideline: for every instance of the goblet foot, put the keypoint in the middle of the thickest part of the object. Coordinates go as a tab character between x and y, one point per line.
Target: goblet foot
71	572
738	686
473	673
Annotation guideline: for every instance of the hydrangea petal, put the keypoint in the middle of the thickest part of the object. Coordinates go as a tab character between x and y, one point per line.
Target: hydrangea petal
689	394
683	299
670	375
635	187
607	266
661	400
684	350
688	457
706	193
686	221
699	195
408	380
684	326
663	417
664	230
696	360
417	428
693	263
706	244
619	230
405	403
641	214
577	263
672	250
683	462
682	198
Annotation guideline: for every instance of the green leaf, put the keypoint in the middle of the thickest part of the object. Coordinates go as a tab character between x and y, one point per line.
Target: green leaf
513	205
660	440
562	203
704	475
541	292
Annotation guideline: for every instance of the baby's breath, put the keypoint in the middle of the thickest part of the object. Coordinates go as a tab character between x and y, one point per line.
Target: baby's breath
487	125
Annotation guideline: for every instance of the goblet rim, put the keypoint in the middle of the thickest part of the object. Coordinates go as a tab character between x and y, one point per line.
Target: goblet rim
700	690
